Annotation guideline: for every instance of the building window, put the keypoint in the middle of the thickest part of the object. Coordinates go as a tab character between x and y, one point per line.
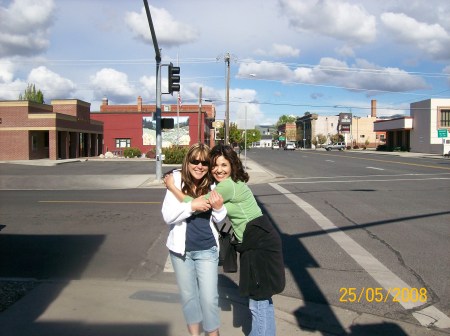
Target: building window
123	143
444	120
34	143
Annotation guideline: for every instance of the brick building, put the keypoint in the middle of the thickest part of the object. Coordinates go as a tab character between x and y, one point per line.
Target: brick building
61	130
133	125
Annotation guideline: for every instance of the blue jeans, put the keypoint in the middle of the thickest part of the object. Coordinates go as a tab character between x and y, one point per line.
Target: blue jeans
263	318
197	277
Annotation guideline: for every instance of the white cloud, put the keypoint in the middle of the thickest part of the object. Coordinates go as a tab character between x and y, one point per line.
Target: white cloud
114	85
169	32
12	90
279	51
345	51
265	70
333	18
24	27
6	70
430	38
361	76
248	113
51	84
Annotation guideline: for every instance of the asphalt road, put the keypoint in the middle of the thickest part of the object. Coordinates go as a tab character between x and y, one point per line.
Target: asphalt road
395	209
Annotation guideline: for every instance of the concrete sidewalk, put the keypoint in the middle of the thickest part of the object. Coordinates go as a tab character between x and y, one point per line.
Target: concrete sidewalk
137	308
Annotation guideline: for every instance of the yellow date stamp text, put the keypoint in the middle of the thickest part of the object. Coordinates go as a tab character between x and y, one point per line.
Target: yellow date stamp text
379	294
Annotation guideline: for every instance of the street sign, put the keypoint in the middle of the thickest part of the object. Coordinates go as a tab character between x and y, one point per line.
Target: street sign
442	133
217	124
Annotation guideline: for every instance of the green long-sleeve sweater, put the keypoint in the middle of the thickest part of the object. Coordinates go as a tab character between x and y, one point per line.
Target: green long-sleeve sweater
240	203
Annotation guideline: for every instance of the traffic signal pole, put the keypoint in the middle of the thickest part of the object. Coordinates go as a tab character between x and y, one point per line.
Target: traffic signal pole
158	95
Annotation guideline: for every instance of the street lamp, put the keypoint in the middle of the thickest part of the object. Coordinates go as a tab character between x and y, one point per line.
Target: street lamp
357	130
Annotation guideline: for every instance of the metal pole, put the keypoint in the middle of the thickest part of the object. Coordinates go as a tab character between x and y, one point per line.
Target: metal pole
178	112
200	114
227	111
304	135
245	139
158	94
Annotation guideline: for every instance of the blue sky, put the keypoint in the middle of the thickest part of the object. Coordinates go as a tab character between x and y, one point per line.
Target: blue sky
287	56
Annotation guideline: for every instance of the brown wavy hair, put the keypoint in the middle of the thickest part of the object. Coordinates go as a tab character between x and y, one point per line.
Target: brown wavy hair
201	152
237	169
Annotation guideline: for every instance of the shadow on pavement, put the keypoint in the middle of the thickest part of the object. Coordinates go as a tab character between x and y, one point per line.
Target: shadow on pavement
43	257
297	259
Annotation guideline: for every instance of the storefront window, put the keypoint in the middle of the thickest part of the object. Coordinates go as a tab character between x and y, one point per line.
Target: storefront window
444	118
123	143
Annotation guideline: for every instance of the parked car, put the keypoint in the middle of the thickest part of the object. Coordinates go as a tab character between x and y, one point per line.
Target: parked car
338	145
275	146
289	146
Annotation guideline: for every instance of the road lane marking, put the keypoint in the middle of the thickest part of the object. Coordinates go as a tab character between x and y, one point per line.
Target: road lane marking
376	168
378	175
101	202
168	267
367	261
388	161
353	181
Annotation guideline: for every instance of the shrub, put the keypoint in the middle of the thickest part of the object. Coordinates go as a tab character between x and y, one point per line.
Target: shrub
383	148
132	152
151	154
355	147
174	154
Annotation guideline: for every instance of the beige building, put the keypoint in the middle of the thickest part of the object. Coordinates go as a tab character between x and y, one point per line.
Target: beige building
360	133
422	131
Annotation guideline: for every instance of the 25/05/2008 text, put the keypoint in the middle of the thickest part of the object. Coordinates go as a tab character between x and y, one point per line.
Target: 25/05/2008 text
379	294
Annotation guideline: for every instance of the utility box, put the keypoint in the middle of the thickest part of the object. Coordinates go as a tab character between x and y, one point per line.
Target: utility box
446	147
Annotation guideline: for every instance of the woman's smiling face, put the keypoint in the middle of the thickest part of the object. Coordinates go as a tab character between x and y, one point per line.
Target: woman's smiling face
198	168
221	169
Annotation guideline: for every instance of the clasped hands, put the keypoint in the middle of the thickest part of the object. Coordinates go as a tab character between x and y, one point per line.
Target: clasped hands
202	204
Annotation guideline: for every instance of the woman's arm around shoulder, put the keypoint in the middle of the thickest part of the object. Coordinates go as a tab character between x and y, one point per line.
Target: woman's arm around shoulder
173	210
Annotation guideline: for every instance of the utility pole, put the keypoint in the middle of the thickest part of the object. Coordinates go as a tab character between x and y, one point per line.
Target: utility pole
158	94
200	114
227	111
245	139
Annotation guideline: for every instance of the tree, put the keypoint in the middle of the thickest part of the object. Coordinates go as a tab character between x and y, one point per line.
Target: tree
32	95
235	134
253	135
285	119
319	140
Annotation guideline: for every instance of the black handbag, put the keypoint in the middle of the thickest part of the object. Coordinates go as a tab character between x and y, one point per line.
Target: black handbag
227	250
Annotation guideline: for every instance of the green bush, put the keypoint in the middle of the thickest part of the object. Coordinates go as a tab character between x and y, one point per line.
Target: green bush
383	148
174	154
132	152
151	154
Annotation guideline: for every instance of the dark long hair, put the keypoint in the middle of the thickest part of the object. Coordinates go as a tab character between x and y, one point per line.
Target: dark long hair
237	170
196	151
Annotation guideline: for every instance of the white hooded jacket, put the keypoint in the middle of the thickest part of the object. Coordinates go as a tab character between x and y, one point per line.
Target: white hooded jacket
175	214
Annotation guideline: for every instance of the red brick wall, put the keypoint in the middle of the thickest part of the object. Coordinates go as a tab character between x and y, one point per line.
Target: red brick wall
21	119
14	145
129	125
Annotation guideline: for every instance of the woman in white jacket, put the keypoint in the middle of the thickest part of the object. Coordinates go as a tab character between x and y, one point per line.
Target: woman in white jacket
193	241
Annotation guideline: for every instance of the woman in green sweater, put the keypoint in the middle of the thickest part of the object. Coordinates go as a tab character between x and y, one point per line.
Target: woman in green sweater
261	258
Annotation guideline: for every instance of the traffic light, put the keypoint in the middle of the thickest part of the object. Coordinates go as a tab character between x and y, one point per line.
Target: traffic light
174	78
